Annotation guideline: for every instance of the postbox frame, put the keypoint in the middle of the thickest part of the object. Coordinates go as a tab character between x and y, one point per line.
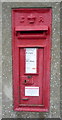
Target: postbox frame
16	77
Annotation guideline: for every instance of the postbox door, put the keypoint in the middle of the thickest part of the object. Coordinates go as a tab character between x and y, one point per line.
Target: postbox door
31	76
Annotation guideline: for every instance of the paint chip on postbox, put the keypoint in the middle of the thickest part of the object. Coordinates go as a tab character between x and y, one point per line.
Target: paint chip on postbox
31	91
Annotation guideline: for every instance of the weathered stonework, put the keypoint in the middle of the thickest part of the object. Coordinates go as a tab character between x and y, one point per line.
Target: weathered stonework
0	60
61	59
7	100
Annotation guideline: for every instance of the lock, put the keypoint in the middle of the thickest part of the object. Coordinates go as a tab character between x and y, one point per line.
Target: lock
27	81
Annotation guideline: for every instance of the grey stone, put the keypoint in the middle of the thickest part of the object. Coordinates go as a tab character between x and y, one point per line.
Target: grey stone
7	100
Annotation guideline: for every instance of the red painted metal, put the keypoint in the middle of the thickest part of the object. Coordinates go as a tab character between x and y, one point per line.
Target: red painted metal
31	28
35	28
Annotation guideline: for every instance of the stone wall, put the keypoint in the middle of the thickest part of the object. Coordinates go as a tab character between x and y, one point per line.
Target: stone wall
7	97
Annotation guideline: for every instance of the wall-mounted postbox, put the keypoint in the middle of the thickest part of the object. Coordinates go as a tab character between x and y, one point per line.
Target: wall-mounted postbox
31	43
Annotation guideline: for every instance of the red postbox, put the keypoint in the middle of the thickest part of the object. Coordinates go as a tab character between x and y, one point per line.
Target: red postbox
31	43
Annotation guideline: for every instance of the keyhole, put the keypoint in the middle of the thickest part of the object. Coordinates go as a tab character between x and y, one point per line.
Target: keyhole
24	81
